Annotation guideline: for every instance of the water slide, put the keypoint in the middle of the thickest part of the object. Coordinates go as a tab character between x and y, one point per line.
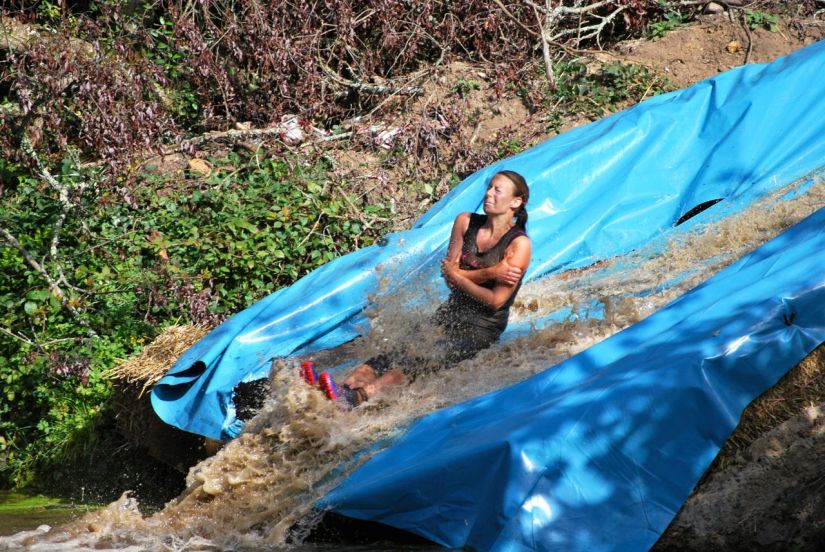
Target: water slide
599	451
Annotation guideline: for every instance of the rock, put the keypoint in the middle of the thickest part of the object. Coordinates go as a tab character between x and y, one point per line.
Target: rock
165	164
714	8
200	167
733	47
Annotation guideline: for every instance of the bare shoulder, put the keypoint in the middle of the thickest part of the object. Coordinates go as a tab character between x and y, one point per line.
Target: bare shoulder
462	221
518	252
520	242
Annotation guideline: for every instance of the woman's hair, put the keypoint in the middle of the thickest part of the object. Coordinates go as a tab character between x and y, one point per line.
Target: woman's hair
522	191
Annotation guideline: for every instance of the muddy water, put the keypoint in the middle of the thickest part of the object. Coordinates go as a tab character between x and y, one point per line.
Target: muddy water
258	491
23	512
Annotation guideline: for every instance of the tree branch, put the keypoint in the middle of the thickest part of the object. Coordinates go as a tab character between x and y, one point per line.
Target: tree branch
516	20
545	51
16	336
64	197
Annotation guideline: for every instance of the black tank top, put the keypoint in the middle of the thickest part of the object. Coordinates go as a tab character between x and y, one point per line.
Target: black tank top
461	309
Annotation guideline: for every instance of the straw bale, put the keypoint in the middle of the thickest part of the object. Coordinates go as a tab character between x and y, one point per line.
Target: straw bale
147	368
135	418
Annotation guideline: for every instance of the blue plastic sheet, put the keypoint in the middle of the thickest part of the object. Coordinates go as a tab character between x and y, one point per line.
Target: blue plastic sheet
596	192
599	452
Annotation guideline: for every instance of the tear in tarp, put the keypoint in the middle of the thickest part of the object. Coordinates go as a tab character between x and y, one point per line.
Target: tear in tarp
596	192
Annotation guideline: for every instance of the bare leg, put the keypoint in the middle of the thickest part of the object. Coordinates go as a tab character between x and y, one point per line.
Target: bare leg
361	376
364	376
392	378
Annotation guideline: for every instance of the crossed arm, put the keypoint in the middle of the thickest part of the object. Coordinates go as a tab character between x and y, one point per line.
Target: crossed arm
506	273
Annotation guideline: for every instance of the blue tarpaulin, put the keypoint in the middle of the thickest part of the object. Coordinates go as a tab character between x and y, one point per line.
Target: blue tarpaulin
600	451
597	191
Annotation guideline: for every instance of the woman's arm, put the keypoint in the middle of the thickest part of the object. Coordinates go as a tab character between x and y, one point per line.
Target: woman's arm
518	255
460	225
502	272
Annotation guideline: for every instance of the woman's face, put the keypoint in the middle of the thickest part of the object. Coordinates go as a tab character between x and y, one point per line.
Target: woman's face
500	196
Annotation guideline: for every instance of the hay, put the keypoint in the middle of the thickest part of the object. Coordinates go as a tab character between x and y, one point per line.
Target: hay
134	377
146	369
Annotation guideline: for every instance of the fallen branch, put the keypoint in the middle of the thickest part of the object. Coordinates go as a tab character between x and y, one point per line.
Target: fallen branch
16	336
232	135
64	197
364	87
53	285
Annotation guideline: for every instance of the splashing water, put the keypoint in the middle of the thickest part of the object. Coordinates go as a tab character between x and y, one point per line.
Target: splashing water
259	490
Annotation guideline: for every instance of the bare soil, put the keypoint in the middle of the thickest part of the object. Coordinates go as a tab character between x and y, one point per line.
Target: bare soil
772	497
715	44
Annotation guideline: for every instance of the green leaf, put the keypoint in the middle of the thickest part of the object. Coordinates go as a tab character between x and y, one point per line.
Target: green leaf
39	295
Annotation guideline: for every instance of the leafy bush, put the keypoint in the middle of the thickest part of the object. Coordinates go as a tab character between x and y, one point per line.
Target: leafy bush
191	250
671	18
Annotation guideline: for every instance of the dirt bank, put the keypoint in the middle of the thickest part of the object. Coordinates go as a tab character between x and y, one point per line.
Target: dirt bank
765	489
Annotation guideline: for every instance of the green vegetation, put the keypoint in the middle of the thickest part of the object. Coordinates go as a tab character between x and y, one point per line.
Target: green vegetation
756	19
465	86
194	250
671	19
509	146
23	512
595	95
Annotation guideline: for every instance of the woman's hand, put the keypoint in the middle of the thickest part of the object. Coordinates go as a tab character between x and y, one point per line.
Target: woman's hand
449	271
505	273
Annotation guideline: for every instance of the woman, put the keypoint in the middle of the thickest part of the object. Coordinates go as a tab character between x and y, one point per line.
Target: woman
486	259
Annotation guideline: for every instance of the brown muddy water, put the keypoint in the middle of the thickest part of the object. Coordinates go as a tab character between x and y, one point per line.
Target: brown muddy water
258	491
20	512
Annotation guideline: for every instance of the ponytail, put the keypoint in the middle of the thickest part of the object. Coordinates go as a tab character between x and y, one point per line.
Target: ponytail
522	191
521	218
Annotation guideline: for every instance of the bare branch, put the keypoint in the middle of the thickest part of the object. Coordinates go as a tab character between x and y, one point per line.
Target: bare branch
19	337
53	285
516	20
545	50
590	31
40	345
67	207
567	10
363	87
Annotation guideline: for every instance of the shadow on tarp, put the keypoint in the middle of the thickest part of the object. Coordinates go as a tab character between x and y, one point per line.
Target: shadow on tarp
597	192
599	452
